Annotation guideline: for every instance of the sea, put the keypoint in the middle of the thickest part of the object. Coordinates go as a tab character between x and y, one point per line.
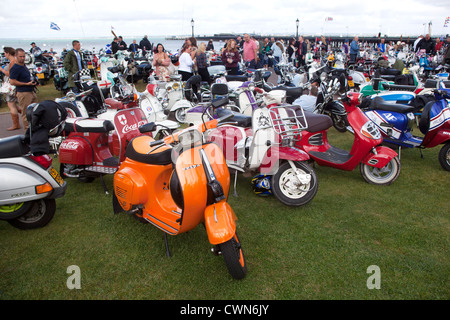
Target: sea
92	44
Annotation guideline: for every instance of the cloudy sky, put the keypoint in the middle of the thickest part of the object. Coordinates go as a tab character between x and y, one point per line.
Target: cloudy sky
26	19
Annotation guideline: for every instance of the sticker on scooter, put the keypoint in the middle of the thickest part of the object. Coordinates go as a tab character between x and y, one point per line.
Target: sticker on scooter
122	119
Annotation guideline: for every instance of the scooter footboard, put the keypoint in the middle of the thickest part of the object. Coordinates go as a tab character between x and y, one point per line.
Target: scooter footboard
220	221
381	158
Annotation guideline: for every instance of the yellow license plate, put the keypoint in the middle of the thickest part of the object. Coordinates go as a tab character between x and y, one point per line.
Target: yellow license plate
350	83
55	175
90	66
40	75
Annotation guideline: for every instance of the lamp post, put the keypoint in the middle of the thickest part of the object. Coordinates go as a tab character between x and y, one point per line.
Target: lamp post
297	22
192	25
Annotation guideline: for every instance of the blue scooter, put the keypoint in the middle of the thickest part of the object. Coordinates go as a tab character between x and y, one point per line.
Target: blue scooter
395	123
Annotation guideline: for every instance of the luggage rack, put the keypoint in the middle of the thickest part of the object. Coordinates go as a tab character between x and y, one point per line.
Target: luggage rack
288	122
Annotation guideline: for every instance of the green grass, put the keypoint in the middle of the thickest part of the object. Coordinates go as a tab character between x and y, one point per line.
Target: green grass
319	251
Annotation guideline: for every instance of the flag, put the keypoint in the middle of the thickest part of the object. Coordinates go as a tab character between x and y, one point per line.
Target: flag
112	28
54	26
328	19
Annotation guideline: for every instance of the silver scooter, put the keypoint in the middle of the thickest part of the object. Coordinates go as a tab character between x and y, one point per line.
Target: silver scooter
29	184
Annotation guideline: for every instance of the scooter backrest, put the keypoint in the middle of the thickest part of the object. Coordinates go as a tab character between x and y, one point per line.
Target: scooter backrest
424	123
219	89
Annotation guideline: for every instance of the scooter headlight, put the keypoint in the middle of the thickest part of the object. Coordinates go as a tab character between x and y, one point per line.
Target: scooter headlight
175	86
370	130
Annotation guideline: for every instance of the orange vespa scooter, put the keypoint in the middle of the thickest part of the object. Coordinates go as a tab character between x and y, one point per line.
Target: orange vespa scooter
177	183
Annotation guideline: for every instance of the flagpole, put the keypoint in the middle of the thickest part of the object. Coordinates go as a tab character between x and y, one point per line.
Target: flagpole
79	20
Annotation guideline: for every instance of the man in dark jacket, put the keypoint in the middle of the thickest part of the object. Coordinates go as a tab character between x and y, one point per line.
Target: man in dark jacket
73	62
446	59
145	44
302	50
428	44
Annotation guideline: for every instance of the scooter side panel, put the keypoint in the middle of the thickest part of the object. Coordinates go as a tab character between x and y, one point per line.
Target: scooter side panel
17	183
76	150
274	154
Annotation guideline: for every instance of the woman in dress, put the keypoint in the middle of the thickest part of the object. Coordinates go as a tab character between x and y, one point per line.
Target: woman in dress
161	62
11	98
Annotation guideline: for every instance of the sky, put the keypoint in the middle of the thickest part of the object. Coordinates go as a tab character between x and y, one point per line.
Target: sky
30	19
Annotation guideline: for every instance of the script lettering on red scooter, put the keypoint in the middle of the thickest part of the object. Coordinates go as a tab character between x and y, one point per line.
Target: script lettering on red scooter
69	145
127	128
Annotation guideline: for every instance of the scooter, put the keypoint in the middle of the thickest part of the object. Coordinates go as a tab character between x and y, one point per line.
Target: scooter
378	164
395	123
29	184
90	151
264	143
177	183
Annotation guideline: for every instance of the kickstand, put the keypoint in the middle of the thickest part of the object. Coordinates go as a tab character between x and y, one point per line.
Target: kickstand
167	245
235	182
104	185
421	153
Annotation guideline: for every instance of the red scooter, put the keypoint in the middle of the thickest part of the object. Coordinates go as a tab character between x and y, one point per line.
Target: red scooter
379	165
90	150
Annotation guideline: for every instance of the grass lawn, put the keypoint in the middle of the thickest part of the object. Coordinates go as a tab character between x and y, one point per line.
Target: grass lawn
319	251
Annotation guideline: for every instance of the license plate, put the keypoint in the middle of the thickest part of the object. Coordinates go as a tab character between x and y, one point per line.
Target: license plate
55	175
90	66
350	83
40	75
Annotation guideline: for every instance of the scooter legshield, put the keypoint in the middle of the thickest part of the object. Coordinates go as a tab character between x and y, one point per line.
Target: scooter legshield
220	221
381	158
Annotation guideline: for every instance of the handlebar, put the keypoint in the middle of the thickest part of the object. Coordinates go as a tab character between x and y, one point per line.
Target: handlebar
173	138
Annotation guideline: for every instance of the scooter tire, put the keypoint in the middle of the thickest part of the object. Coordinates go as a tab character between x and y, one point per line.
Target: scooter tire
39	214
234	257
444	156
300	195
180	115
340	123
384	176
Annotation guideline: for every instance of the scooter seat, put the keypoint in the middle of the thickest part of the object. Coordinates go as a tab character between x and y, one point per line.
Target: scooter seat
242	78
398	87
88	125
138	150
14	146
378	103
317	122
290	91
240	119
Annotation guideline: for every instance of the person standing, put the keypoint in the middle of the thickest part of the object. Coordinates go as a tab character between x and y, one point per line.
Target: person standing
73	62
250	52
133	48
354	49
20	77
382	46
302	50
202	63
231	57
122	44
145	44
427	44
186	67
11	99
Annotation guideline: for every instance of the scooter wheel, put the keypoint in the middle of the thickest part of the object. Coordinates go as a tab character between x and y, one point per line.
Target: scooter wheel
383	176
180	115
444	156
234	257
289	190
340	122
39	214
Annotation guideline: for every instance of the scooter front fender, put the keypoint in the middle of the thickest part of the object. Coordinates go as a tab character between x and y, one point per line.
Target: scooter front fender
220	221
181	104
381	158
274	154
